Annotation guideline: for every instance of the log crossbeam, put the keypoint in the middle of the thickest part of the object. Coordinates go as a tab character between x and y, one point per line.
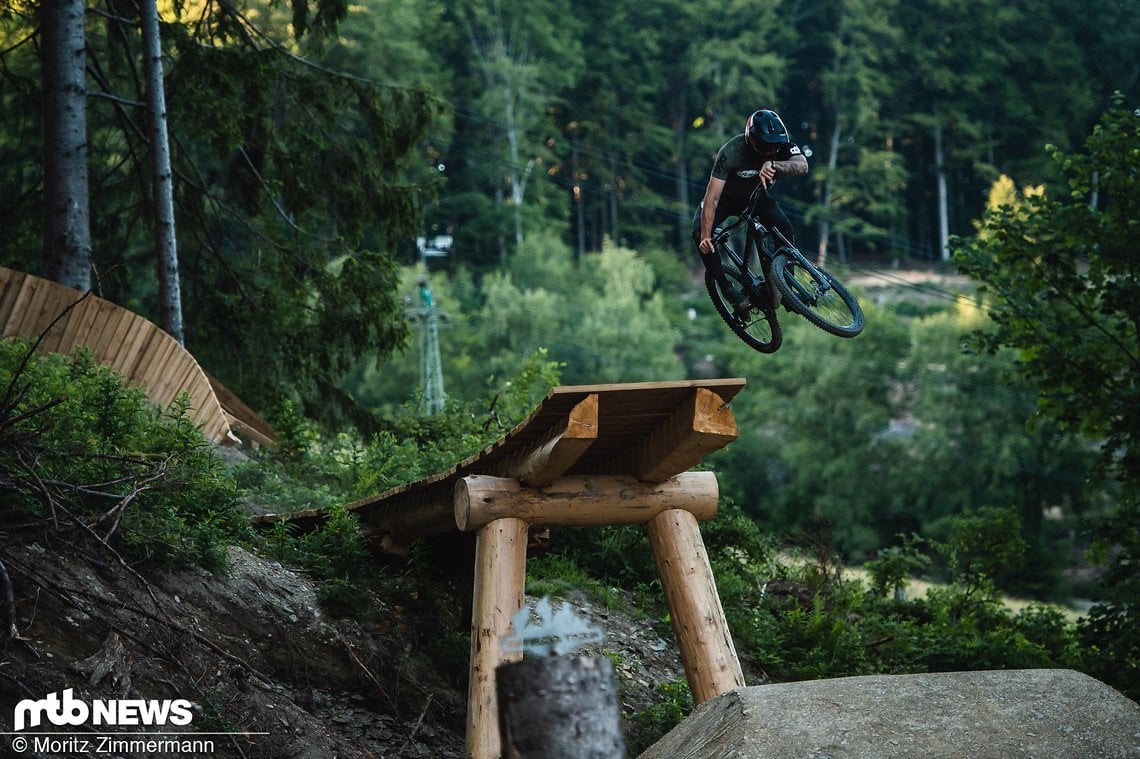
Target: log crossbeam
582	500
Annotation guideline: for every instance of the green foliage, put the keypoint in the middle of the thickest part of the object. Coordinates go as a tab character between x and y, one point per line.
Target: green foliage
81	450
892	567
821	416
584	316
555	575
342	597
646	726
312	469
1061	278
536	376
294	185
840	629
299	188
337	549
1110	637
618	555
982	543
793	641
560	576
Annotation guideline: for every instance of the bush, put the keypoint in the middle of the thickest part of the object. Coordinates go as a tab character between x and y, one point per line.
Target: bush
81	450
652	722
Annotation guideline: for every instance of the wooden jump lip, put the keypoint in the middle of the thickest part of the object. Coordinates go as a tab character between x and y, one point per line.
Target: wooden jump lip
647	430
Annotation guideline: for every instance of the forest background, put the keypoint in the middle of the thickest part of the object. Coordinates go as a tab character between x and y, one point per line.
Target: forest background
555	153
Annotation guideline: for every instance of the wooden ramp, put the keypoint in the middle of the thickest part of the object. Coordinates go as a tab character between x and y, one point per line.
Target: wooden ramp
133	346
588	456
645	431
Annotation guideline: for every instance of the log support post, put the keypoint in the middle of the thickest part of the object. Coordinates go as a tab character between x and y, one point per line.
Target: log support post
707	651
500	511
500	574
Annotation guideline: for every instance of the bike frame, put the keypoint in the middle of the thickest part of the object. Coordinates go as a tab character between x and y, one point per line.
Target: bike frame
807	290
755	234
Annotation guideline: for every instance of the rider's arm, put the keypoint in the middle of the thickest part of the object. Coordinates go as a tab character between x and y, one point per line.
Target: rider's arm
796	166
708	213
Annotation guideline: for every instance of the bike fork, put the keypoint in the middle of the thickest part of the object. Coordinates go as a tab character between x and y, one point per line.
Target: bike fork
817	275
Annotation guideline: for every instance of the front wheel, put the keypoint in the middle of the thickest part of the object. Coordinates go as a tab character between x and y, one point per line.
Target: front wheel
825	304
757	325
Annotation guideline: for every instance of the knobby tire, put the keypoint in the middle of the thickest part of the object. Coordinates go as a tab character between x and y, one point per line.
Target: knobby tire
833	310
759	329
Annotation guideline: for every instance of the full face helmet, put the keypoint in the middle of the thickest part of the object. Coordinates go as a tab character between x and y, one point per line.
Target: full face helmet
765	131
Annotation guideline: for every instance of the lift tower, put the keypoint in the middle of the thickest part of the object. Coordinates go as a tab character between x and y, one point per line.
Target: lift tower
431	368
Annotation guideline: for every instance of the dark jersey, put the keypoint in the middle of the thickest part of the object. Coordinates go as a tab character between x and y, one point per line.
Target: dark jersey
739	166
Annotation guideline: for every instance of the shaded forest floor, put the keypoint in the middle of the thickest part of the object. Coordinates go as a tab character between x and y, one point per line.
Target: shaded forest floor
253	651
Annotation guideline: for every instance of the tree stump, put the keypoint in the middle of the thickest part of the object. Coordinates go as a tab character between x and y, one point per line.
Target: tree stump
559	707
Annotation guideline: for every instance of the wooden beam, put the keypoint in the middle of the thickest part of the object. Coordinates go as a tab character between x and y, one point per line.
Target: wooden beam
500	573
707	651
549	458
701	425
421	513
582	500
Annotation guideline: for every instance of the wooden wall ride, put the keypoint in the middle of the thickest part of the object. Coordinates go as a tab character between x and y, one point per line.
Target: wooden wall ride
133	346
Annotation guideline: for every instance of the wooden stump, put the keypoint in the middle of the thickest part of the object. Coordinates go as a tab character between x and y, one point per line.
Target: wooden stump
559	707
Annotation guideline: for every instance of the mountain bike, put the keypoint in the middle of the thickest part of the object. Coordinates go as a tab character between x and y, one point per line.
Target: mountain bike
768	259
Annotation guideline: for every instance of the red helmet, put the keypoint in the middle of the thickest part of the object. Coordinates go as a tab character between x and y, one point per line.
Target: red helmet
765	128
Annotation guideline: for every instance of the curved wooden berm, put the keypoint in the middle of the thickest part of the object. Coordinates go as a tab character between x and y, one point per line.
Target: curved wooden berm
133	346
588	456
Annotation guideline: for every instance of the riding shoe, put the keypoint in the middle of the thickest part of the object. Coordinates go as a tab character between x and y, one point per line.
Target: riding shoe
741	304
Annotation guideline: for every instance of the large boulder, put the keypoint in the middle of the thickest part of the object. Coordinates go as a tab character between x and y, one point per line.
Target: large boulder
1020	713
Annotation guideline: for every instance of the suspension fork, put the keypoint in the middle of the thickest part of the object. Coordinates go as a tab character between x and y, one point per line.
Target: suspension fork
803	261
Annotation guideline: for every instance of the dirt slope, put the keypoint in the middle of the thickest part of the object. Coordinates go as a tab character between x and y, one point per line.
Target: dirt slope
254	653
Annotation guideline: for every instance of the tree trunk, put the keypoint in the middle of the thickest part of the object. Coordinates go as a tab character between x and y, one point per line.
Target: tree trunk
943	194
684	212
829	183
615	229
517	184
579	209
559	707
162	176
501	63
67	226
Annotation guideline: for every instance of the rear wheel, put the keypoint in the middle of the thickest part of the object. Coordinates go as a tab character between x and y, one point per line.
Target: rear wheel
756	325
827	304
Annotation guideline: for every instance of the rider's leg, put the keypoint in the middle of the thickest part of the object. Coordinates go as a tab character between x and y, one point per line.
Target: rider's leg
773	217
712	262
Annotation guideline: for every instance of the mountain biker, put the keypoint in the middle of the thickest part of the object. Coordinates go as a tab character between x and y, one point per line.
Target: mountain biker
761	153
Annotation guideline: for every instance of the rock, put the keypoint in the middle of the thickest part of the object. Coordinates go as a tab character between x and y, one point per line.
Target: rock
1017	713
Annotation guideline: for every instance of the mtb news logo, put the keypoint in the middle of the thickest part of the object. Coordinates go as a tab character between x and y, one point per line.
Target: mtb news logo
70	711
